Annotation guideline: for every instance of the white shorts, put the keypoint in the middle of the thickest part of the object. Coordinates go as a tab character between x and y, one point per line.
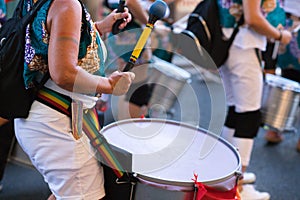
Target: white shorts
242	79
69	166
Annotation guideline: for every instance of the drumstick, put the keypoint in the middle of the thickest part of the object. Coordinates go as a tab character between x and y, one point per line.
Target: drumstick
275	50
115	27
156	12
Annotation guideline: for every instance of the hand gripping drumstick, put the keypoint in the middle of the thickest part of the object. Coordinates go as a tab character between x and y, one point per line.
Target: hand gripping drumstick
276	47
115	27
156	12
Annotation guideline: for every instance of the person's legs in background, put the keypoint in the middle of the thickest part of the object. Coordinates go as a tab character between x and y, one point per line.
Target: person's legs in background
6	139
269	68
287	59
293	75
242	78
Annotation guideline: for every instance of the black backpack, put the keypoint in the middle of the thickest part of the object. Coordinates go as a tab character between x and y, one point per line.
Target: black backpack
15	100
204	24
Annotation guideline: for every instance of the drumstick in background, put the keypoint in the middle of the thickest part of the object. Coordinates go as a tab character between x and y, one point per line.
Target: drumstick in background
276	45
275	50
156	12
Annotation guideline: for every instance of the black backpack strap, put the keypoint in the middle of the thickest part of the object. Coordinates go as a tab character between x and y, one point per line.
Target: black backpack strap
43	81
236	29
18	9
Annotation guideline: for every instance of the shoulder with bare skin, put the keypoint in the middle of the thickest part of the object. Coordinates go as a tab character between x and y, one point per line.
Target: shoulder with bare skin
70	10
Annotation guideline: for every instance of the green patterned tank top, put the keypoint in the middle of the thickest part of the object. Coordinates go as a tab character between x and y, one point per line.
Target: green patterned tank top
90	56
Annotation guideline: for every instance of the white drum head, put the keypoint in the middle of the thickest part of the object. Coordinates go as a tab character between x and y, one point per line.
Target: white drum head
170	70
171	151
283	83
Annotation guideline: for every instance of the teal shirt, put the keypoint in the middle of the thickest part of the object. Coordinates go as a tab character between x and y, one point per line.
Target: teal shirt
229	11
37	44
289	55
2	10
277	16
228	20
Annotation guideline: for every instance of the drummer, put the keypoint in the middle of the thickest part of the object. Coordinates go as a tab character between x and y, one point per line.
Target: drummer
288	58
242	78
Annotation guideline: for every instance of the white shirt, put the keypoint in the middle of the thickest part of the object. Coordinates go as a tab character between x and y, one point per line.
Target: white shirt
247	38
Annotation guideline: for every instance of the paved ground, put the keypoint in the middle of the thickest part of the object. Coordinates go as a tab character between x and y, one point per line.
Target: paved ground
277	166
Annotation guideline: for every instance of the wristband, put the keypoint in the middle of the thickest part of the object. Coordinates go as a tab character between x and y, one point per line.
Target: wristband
280	35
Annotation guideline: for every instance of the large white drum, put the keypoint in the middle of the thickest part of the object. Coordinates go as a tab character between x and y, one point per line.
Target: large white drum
166	155
280	102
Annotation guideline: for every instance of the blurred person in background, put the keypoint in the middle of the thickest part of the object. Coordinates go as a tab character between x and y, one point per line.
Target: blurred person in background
95	8
288	59
243	79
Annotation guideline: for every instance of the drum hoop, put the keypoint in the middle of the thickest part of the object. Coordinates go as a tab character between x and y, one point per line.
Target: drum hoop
168	185
176	77
180	74
272	82
172	122
180	185
284	87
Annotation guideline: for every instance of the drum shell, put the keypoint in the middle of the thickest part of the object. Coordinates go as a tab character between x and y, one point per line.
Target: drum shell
168	80
279	107
154	189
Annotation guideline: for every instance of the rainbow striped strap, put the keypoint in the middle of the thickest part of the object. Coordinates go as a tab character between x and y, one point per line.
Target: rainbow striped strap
99	142
91	127
55	100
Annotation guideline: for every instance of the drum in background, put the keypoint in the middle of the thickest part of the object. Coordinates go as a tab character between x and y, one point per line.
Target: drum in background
168	80
280	102
166	155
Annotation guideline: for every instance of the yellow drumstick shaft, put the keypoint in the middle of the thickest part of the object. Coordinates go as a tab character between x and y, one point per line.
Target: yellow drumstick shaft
141	42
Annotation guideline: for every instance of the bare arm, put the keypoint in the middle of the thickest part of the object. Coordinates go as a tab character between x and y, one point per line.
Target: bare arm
105	25
255	19
137	11
64	24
